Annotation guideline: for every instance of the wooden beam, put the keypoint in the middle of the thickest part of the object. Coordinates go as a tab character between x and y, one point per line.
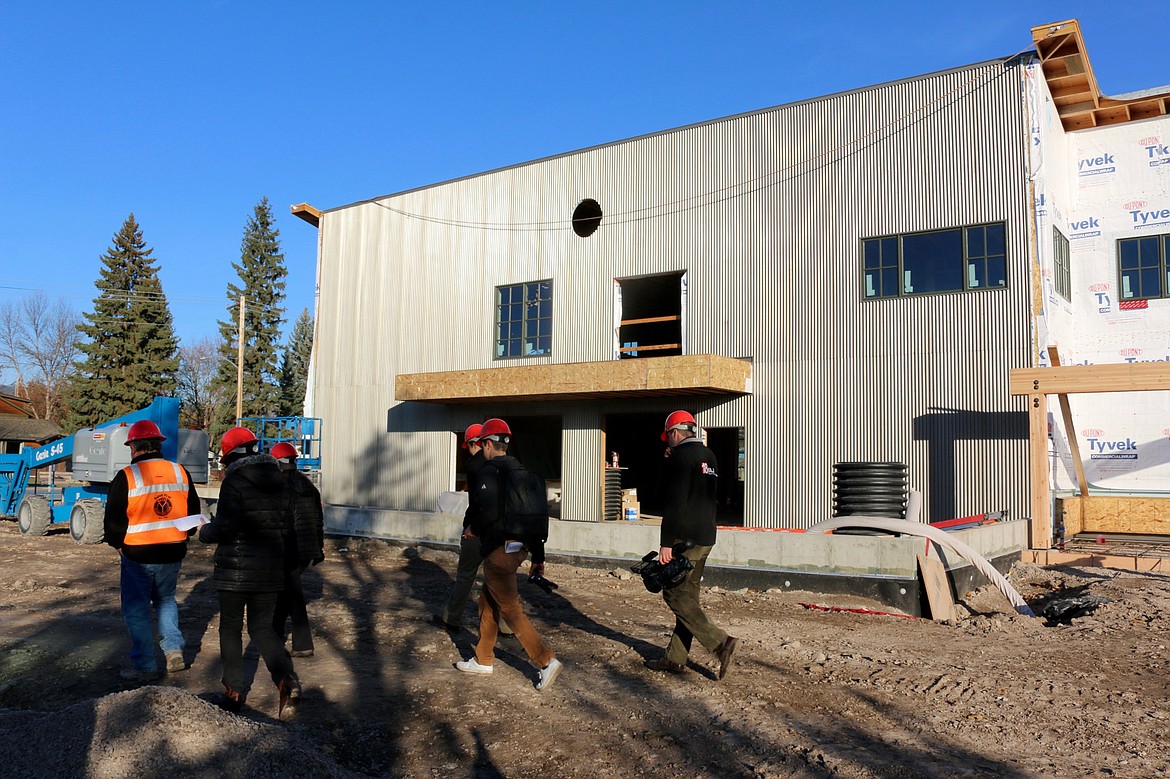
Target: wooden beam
650	320
307	212
1048	557
1070	379
1070	431
1038	469
649	348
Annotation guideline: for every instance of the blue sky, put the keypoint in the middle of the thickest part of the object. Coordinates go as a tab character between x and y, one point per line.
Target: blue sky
187	114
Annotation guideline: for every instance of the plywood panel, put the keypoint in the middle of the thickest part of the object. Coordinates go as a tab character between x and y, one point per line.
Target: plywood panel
1142	516
938	588
695	374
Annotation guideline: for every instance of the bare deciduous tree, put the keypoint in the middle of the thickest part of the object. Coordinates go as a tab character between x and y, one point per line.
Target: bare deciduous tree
201	399
38	341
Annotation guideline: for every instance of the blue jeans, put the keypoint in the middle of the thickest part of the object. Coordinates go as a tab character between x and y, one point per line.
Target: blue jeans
144	586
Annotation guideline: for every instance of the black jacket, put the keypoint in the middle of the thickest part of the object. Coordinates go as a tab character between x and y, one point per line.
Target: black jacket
304	542
688	484
474	463
249	526
483	505
115	521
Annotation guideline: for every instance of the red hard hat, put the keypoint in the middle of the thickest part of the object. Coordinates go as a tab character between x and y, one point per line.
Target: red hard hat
496	430
144	430
471	434
283	450
235	438
679	420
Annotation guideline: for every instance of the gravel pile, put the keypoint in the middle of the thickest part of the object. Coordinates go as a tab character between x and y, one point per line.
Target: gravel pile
153	731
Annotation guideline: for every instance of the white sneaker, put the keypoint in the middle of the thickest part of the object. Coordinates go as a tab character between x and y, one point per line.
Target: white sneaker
471	666
549	674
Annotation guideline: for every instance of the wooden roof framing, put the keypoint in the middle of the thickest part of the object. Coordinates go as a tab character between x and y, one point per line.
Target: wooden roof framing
1074	89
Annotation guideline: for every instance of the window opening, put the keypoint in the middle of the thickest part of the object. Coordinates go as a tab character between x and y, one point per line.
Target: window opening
1061	270
965	258
1143	268
649	313
586	217
524	319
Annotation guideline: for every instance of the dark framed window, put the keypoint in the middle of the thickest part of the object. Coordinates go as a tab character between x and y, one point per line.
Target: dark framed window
1061	275
524	319
964	258
1142	267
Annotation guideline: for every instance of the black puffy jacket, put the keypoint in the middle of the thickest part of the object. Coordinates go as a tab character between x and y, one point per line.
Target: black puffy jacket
305	541
249	525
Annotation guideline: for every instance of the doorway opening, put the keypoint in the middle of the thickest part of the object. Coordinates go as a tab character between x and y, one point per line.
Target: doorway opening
536	443
727	444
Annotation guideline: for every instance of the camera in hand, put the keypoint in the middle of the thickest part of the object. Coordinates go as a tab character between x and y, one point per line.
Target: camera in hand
658	577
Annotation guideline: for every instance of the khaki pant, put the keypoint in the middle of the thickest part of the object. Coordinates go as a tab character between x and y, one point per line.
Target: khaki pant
501	598
690	621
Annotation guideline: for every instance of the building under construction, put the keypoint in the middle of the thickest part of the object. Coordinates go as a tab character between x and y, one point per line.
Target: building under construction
845	279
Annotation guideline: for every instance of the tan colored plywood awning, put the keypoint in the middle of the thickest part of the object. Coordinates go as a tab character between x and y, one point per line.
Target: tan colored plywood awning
1074	89
686	375
307	212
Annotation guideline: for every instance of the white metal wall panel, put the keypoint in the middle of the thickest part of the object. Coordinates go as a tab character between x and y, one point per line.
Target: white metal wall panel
765	213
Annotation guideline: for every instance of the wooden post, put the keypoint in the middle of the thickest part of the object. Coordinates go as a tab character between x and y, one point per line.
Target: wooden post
240	366
1038	457
1066	415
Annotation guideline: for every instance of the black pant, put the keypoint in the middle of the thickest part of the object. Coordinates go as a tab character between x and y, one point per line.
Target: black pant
291	603
259	607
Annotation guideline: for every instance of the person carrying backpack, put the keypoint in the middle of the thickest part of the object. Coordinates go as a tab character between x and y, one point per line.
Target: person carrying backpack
510	519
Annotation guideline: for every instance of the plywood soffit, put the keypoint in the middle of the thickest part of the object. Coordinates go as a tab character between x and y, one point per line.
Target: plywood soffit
1070	78
686	375
308	213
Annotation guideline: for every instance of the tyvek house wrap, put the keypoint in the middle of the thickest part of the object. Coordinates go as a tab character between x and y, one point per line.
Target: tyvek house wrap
1099	186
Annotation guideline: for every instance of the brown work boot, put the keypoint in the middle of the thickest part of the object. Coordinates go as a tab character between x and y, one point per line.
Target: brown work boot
662	664
175	661
724	652
290	697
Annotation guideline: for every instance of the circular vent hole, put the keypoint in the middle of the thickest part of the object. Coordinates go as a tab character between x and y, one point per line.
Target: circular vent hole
586	217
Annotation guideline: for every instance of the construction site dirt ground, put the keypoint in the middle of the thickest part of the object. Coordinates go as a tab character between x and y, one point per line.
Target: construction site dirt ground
812	693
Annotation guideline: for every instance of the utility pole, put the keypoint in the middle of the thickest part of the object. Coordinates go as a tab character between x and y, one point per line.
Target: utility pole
240	366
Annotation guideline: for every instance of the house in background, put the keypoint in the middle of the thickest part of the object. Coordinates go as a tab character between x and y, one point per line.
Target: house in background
19	425
842	279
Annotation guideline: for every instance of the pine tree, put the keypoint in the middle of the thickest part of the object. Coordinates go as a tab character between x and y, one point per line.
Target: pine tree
294	366
262	273
130	352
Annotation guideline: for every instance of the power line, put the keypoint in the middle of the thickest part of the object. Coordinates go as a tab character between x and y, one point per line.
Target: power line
729	192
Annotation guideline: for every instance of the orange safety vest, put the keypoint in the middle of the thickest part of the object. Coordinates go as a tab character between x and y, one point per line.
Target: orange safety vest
157	496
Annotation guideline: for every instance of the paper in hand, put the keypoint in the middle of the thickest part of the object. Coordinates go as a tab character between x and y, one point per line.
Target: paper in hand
194	520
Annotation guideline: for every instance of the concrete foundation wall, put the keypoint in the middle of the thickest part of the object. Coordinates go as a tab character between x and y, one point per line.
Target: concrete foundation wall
759	550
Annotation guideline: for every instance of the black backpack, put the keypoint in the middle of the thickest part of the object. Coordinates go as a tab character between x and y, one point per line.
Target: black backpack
523	504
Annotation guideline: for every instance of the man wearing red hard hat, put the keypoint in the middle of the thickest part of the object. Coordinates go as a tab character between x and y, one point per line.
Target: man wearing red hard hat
688	518
145	499
502	556
470	559
249	528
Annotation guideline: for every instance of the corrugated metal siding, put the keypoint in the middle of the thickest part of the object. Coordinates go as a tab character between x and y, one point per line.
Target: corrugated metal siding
765	213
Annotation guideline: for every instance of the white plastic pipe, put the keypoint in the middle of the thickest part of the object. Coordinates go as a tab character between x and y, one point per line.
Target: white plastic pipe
941	538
